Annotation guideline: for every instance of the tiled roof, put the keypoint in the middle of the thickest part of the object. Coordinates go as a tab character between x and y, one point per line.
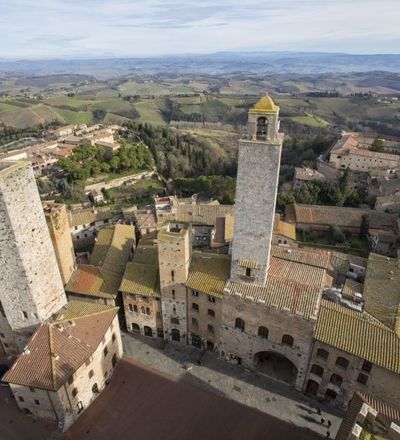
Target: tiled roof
93	281
199	214
141	279
359	334
341	262
386	414
87	216
289	296
382	290
208	273
346	217
60	346
146	219
351	287
146	254
306	256
113	248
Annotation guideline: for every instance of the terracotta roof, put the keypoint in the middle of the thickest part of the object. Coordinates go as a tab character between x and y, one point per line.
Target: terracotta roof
359	334
208	273
204	214
382	290
141	279
113	248
306	256
87	216
288	296
60	346
146	219
346	217
93	281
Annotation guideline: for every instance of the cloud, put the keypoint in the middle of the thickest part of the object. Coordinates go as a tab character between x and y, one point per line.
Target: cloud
54	28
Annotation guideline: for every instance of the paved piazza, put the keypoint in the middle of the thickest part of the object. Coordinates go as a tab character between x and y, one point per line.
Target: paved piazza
243	386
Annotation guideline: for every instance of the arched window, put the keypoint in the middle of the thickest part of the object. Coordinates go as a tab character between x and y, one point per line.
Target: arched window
287	340
342	362
239	323
135	327
175	335
148	311
316	369
336	380
148	331
262	127
95	388
263	332
322	354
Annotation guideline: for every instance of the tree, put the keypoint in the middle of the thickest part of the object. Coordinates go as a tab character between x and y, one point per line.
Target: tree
377	145
364	228
336	234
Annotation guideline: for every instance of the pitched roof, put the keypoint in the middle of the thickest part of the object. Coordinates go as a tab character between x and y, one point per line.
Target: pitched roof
61	345
113	248
306	256
382	290
340	216
141	279
87	216
359	334
265	105
93	281
204	214
208	273
386	414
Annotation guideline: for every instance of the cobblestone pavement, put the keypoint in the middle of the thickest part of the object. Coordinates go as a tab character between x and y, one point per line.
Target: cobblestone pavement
265	394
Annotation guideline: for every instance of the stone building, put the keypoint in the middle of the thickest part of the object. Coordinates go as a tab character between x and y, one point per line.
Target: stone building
31	288
141	295
57	222
174	255
59	383
256	188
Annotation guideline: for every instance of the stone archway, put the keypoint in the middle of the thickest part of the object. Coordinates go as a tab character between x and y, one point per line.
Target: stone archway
276	366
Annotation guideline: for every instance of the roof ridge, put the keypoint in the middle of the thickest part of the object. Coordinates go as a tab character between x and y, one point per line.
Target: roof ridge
87	315
52	358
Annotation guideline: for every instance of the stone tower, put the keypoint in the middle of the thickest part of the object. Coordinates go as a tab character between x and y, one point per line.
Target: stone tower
31	288
174	254
256	188
57	222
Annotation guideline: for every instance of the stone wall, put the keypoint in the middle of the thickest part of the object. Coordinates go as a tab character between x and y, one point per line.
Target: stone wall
381	383
256	187
31	286
174	253
57	222
246	344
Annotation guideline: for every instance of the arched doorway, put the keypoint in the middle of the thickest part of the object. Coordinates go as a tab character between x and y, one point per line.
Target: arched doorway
148	331
276	365
312	387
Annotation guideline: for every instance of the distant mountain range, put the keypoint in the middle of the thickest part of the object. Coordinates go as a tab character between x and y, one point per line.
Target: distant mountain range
217	63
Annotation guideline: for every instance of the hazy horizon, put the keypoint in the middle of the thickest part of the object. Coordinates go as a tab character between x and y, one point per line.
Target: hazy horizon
88	29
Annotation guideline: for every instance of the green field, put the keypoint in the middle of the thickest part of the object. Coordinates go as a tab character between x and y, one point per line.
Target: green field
149	112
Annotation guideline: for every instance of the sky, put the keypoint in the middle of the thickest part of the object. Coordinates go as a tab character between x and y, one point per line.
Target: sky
117	28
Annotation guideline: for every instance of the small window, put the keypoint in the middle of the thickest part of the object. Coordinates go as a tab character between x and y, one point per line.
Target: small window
239	324
211	299
336	380
135	308
74	392
367	366
210	328
37	402
342	362
148	311
362	378
70	380
211	312
318	370
91	374
173	293
195	307
172	275
248	272
31	389
113	338
263	332
145	299
175	321
25	315
195	322
105	351
88	361
287	340
195	293
130	307
322	354
21	399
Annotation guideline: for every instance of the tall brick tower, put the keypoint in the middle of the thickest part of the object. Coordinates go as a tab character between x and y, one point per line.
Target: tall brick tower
31	289
256	188
57	222
174	254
